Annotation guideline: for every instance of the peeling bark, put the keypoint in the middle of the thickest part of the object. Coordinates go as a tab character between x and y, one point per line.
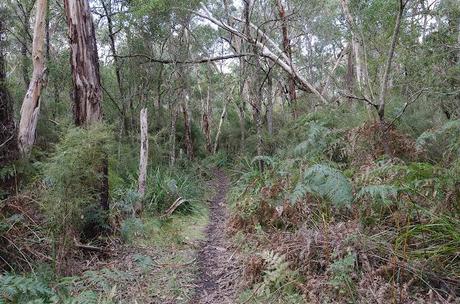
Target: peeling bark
144	152
31	105
85	63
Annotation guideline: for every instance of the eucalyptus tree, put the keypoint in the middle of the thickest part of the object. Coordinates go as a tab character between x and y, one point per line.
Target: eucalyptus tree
31	105
87	92
84	62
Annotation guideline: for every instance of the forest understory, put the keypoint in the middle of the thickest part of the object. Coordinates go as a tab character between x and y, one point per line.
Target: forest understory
230	151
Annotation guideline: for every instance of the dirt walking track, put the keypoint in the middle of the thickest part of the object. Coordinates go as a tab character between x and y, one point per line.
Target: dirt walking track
218	269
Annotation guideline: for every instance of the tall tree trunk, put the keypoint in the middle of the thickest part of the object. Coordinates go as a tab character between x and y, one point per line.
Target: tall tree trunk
205	121
389	62
187	126
255	84
240	105
8	144
287	48
47	29
31	104
270	100
172	135
355	45
350	73
85	63
386	77
256	103
185	52
144	152
219	128
26	34
158	108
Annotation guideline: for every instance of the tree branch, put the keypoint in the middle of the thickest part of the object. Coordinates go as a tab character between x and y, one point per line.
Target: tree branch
281	59
365	99
406	105
195	61
391	52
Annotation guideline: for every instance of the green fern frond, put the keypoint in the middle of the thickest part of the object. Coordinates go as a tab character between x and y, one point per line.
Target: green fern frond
441	141
381	193
318	138
21	289
276	272
326	182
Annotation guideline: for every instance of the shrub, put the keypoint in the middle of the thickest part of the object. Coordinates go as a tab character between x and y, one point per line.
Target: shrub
72	178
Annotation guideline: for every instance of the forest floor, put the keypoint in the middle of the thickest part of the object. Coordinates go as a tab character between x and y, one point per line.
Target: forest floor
218	269
181	259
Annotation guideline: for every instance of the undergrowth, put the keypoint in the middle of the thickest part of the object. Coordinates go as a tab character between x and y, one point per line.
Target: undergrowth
347	223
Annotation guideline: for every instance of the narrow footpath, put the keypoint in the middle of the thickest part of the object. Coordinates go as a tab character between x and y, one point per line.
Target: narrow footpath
218	270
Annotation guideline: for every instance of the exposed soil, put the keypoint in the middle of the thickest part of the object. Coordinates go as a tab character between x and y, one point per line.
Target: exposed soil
218	268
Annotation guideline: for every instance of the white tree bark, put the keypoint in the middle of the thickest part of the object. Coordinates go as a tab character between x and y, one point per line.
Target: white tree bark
31	104
144	152
219	129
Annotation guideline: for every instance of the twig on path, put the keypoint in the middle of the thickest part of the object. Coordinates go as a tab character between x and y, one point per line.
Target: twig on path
87	247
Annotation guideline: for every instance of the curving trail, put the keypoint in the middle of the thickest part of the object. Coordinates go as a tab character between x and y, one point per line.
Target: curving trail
218	269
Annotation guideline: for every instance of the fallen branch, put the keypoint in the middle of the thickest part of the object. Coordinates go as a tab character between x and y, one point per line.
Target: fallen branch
179	201
87	247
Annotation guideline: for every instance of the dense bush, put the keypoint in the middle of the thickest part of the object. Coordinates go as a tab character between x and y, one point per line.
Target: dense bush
72	179
402	207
